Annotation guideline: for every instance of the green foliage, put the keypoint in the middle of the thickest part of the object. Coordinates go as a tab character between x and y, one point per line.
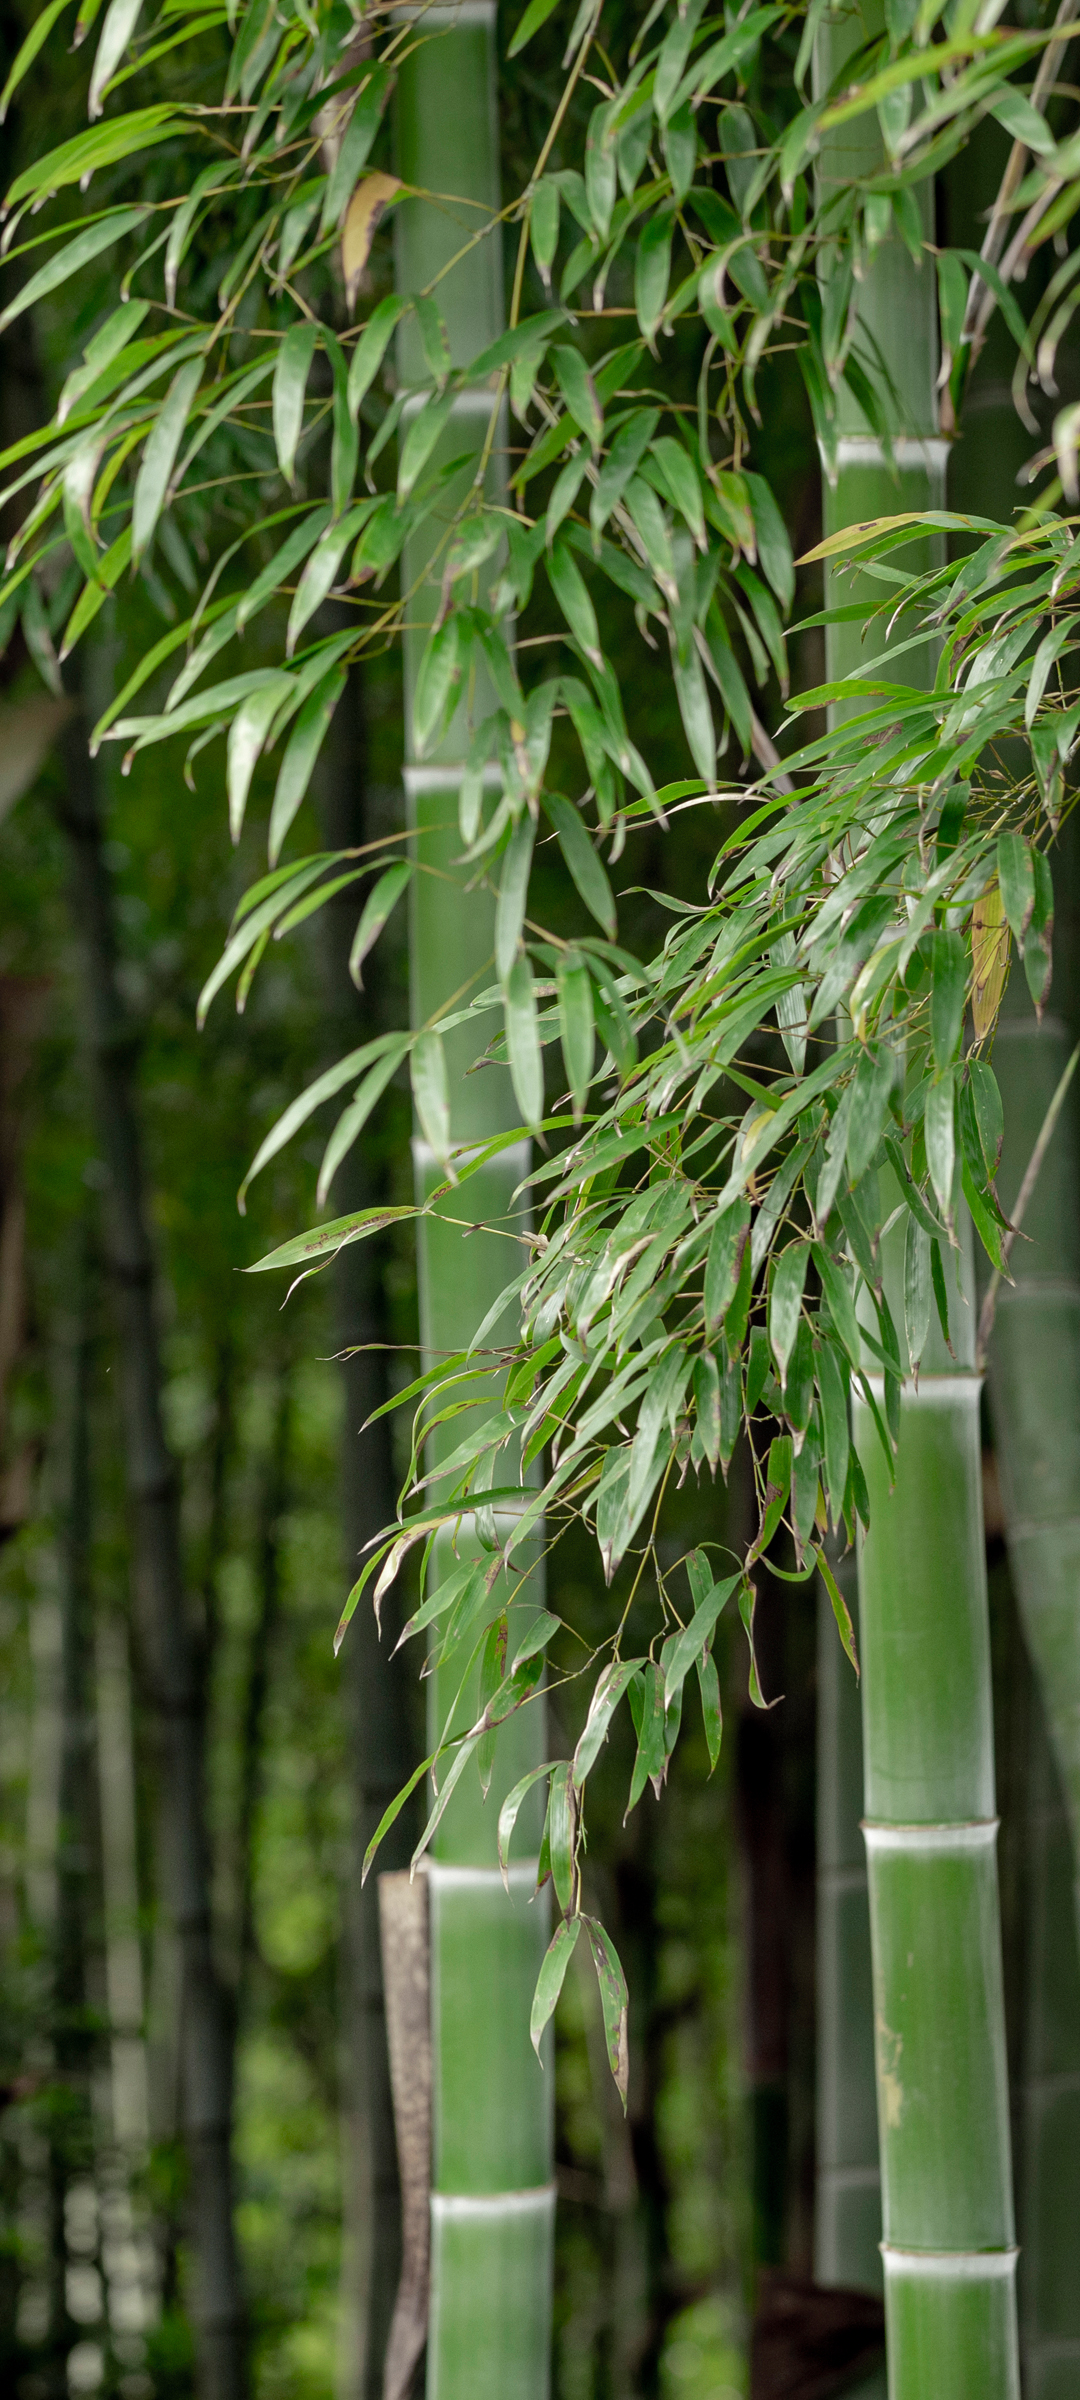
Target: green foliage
789	1070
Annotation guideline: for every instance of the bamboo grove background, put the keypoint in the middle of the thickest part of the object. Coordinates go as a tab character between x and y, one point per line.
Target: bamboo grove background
688	2234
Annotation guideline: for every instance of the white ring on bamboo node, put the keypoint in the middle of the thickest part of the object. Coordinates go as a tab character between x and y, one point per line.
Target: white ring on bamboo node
928	451
447	779
473	400
932	1391
516	1154
480	1879
478	2205
953	2266
978	1833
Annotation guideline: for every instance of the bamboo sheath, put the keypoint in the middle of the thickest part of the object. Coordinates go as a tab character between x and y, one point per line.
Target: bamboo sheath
942	2095
492	2190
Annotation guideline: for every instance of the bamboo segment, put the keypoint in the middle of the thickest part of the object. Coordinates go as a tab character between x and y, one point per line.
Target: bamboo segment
492	2192
949	2248
1049	2195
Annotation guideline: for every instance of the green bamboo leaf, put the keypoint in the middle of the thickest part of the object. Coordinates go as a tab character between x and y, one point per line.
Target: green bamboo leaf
431	1092
707	1407
425	429
570	591
917	1289
560	1833
695	711
105	146
434	338
108	343
536	14
290	387
437	680
773	546
322	1244
513	895
544	220
325	1087
840	1608
159	456
940	1129
1038	940
381	900
523	1040
579	393
322	569
294	548
690	1643
586	868
28	50
711	1709
1016	876
624	457
353	1119
576	1027
949	968
563	1942
680	477
511	1810
356	145
989	1116
647	1708
614	2001
372	347
652	273
869	1106
785	1302
247	733
838	1293
76	255
611	1684
727	1246
834	1419
121	18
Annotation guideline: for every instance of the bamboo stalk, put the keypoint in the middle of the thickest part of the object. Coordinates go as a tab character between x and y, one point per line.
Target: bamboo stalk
930	1825
1032	1340
375	1683
167	1656
492	2193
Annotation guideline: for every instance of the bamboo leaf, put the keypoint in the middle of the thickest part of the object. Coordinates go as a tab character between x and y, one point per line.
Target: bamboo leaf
840	1608
290	387
949	970
610	1687
295	547
940	1131
247	733
576	1026
301	752
105	146
652	273
727	1247
353	1119
834	1418
159	456
364	214
431	1093
1038	940
510	1812
121	18
586	868
1016	879
917	1290
711	1709
356	143
513	894
425	429
690	1643
647	1709
382	898
322	1244
523	1041
579	393
785	1302
372	347
614	2003
990	958
28	50
570	591
536	14
436	683
563	1942
299	1110
76	255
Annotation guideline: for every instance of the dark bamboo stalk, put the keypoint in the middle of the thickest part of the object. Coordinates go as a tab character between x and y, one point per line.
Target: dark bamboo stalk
168	1659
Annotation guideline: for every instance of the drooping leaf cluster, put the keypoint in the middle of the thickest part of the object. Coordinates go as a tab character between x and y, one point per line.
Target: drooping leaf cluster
754	1110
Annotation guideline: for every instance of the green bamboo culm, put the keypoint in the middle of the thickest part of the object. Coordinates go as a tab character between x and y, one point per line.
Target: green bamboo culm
492	2189
930	1829
1033	1367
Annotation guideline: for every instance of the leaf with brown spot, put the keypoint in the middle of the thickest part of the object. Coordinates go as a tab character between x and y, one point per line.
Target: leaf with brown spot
369	201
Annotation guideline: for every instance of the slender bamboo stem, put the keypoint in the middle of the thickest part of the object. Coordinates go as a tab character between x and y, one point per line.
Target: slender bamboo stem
492	2193
930	1826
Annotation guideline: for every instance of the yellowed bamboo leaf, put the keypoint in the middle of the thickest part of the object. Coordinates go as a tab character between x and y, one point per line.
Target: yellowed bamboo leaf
990	958
365	208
